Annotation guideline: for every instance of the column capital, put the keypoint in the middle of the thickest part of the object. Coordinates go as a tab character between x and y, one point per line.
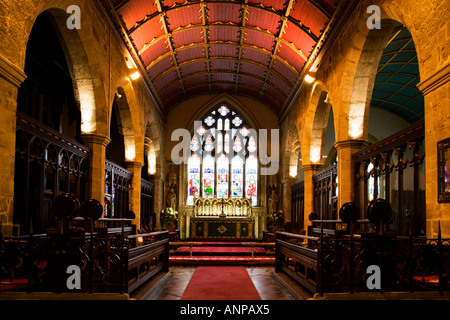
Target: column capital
92	138
351	144
133	164
11	73
312	167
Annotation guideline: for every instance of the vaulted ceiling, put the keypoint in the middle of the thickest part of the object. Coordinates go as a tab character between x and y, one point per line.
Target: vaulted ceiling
395	88
255	48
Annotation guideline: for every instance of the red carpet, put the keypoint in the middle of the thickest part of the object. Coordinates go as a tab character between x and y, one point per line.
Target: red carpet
220	283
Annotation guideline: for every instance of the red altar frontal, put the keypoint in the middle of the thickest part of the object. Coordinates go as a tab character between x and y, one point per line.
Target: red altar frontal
222	228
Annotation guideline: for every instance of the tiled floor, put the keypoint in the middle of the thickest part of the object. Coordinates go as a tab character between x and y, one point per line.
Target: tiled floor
266	285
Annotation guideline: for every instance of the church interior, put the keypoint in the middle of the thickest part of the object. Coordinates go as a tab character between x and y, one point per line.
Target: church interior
180	149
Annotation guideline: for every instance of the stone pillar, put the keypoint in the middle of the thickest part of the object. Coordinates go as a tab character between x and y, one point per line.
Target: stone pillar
11	78
309	171
435	87
97	147
346	175
135	167
158	197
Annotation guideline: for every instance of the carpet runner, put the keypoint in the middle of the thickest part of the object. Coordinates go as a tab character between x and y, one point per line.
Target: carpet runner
220	283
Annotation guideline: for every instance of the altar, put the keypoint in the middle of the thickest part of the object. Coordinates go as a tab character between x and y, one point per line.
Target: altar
222	218
222	228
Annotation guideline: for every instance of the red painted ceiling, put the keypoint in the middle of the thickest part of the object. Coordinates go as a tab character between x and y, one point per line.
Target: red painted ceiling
255	48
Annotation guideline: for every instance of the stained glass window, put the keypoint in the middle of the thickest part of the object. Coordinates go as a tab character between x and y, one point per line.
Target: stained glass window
227	142
194	144
208	176
251	144
222	177
223	110
251	179
193	179
229	166
237	144
209	146
201	131
210	121
237	182
237	121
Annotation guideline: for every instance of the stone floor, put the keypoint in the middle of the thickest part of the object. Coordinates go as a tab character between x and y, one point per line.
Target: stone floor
269	285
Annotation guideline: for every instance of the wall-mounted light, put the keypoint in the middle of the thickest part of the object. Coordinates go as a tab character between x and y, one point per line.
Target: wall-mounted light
135	74
310	78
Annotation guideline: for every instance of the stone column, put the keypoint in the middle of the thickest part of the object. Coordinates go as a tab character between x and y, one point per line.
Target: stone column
11	78
135	167
309	171
158	197
346	175
97	147
435	87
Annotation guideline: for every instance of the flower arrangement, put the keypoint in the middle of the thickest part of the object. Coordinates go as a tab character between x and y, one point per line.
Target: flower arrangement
276	218
168	214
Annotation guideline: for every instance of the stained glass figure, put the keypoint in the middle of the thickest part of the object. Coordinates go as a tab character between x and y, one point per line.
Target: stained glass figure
222	177
251	179
193	178
208	177
237	182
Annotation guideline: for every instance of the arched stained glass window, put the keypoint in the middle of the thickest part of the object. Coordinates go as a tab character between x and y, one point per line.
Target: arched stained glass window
251	179
237	171
193	179
223	162
222	177
208	176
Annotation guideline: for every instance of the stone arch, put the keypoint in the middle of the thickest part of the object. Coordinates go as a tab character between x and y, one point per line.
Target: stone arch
364	79
315	124
124	106
361	63
77	61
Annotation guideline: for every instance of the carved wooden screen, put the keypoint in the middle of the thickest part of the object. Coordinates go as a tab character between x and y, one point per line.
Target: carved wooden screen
325	193
297	205
147	216
117	186
394	169
47	164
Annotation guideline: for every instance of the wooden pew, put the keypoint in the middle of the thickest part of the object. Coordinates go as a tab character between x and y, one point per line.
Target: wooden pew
295	256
